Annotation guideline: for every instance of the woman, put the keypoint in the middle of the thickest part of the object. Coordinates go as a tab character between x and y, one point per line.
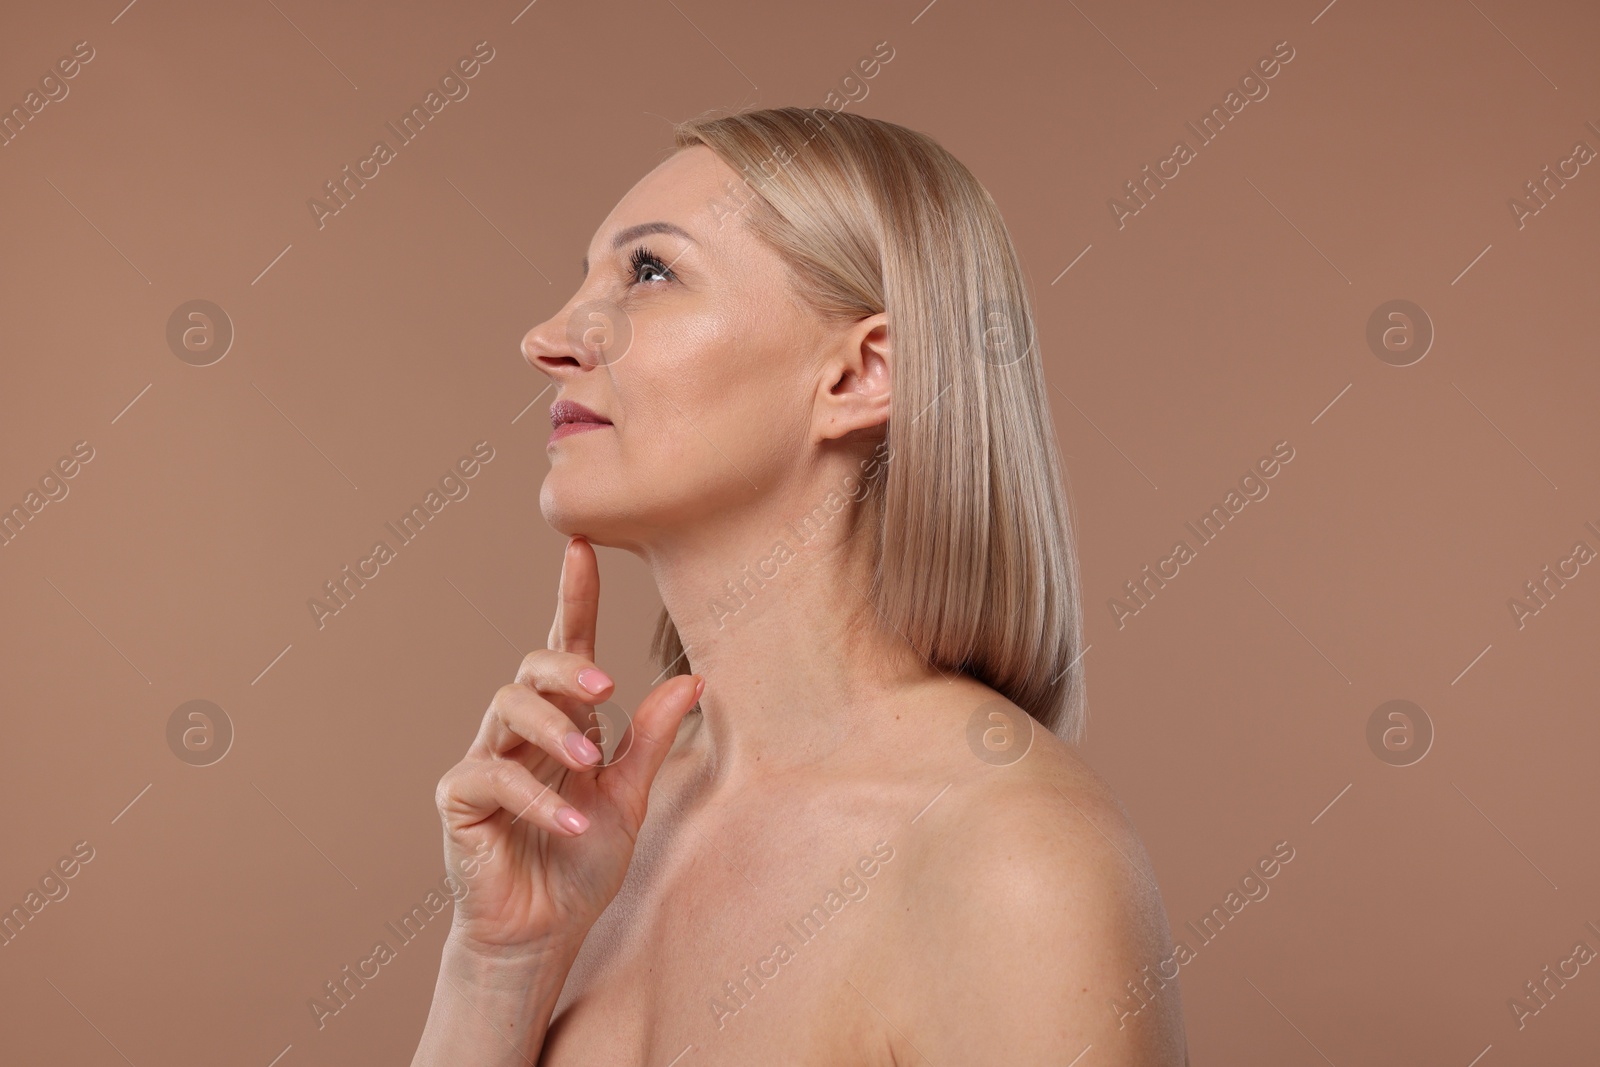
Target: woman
798	381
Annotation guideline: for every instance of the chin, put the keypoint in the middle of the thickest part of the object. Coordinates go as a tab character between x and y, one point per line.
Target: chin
595	514
565	520
571	511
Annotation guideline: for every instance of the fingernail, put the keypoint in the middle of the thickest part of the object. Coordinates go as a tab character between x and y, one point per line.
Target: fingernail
572	819
594	681
582	747
700	687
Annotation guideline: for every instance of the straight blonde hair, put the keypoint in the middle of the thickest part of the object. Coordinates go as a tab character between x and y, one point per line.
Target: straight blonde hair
873	217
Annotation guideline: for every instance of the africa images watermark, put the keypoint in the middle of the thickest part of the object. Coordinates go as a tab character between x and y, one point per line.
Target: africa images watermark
339	992
853	888
1254	88
453	84
1255	488
342	589
53	485
1253	887
53	889
1539	995
804	530
868	67
53	89
1541	190
1541	590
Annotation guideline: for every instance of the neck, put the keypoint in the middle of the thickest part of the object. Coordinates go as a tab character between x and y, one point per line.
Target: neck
773	611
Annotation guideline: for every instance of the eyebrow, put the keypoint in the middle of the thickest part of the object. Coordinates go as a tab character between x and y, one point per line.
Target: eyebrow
633	233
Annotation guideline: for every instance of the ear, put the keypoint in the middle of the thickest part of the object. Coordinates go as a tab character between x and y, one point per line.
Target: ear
855	387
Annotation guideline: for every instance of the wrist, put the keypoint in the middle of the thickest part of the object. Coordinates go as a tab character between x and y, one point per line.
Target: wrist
491	1000
492	965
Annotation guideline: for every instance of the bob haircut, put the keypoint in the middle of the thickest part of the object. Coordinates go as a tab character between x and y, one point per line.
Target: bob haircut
872	217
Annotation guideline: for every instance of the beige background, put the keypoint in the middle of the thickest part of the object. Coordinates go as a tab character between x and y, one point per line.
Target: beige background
370	354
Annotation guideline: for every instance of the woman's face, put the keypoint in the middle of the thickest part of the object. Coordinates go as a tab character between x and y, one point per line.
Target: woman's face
684	336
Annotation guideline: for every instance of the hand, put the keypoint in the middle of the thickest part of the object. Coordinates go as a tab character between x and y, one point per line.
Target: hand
541	833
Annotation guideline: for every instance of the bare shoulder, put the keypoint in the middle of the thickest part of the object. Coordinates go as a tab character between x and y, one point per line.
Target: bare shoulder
1027	909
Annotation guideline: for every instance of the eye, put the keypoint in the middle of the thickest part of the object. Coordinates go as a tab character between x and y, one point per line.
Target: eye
644	259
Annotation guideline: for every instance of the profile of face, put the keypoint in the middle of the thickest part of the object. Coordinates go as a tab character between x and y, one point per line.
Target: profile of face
719	384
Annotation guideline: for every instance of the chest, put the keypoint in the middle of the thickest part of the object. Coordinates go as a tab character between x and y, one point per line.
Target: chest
732	937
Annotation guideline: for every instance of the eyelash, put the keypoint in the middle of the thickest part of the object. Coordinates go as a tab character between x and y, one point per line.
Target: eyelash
643	257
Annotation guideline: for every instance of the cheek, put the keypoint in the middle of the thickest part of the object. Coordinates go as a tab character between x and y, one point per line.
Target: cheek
698	385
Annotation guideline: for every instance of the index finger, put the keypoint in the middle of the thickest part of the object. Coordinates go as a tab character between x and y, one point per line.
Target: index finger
577	601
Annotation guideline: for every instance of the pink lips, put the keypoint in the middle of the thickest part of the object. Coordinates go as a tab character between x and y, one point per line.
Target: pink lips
568	417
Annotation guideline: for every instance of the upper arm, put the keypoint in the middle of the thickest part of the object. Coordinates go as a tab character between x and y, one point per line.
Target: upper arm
1034	919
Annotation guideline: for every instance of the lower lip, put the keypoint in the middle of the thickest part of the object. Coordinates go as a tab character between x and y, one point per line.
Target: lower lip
567	429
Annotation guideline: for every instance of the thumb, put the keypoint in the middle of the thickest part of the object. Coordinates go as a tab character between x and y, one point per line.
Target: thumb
654	726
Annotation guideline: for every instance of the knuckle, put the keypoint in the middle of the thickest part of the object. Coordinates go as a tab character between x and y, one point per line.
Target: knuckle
533	662
644	736
494	716
506	696
503	773
551	670
526	714
444	791
554	726
513	781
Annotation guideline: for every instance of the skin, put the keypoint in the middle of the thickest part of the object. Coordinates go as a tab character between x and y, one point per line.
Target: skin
1007	906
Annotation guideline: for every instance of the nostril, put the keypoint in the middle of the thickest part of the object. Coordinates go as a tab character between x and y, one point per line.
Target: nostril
544	356
550	349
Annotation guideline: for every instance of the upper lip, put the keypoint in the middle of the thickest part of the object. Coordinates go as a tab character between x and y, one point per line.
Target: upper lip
565	411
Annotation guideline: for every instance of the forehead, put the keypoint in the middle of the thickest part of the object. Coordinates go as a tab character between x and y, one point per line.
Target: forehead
692	188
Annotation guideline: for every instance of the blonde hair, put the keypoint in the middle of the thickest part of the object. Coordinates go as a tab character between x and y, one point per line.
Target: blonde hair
873	217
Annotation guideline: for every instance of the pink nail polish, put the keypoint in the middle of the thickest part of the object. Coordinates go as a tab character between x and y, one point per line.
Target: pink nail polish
572	819
593	680
581	747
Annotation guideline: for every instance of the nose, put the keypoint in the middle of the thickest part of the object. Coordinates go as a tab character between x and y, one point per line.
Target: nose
583	336
548	348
